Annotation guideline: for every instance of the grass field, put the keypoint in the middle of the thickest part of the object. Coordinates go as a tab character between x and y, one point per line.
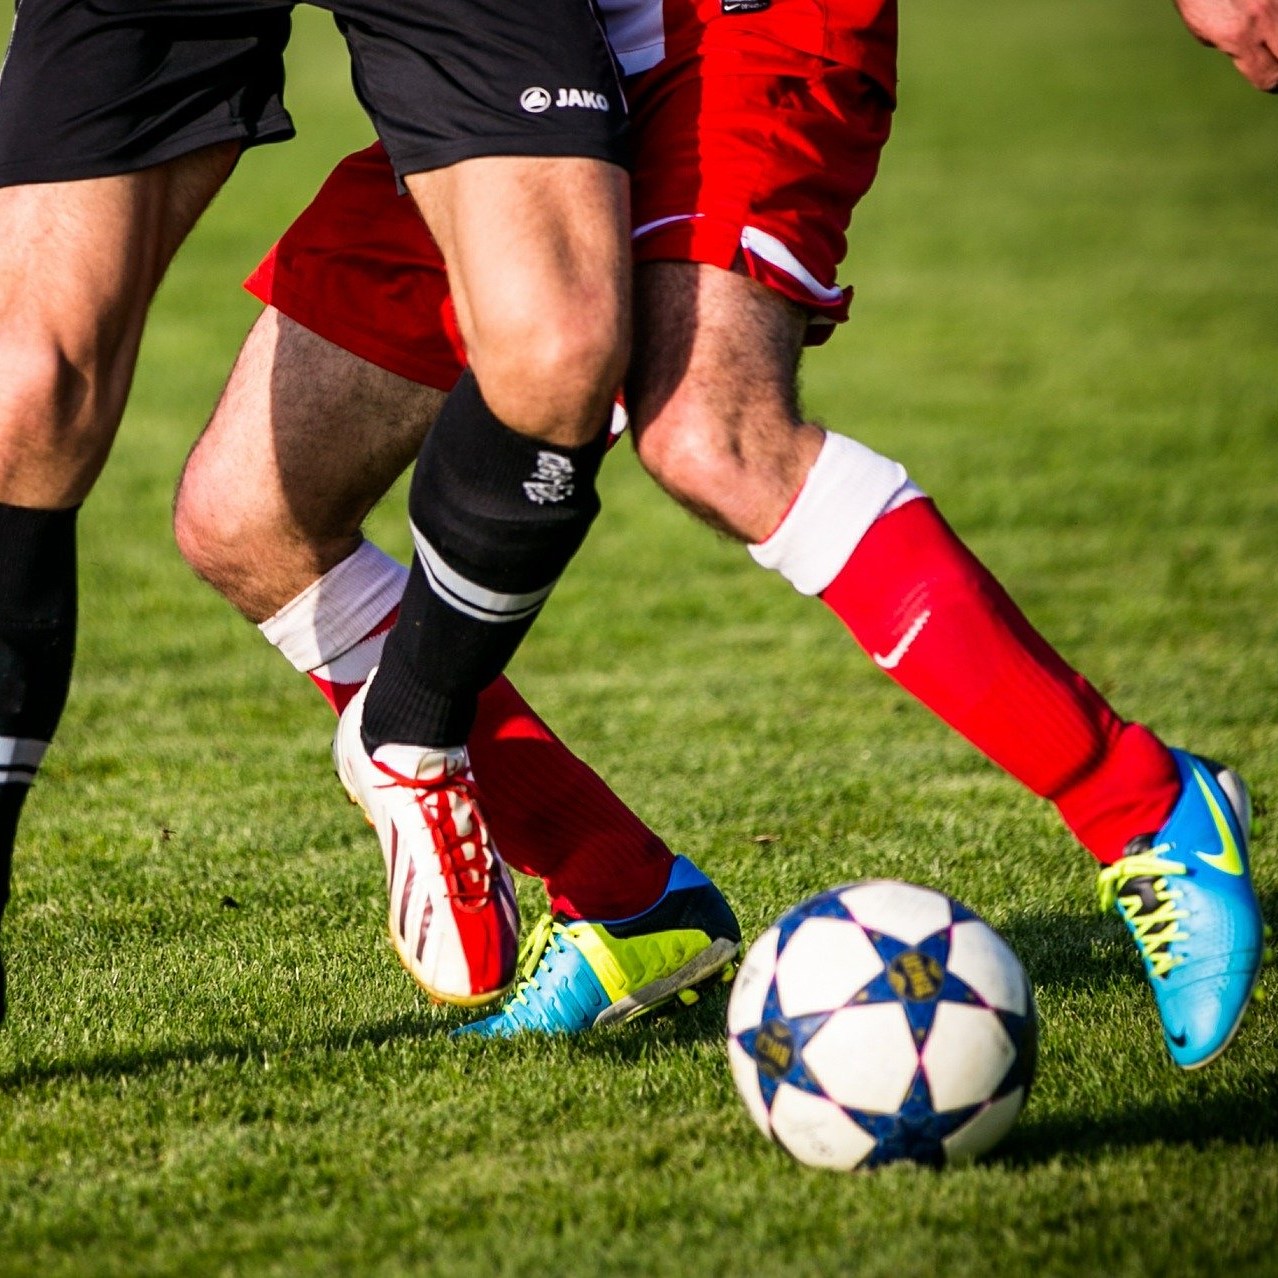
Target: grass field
1067	326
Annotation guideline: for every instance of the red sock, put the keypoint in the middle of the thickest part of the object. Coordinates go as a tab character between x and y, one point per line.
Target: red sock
932	616
551	815
341	679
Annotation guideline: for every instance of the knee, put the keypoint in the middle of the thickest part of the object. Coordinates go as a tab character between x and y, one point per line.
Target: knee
43	377
197	528
690	454
736	466
220	537
238	532
58	415
552	372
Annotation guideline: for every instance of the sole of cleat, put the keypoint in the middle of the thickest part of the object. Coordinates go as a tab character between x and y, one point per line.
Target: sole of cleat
724	976
354	802
706	969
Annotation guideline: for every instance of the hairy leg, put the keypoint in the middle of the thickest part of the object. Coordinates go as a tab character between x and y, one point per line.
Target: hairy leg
304	441
713	403
712	395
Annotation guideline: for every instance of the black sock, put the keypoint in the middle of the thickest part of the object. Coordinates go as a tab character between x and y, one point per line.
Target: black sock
496	517
37	645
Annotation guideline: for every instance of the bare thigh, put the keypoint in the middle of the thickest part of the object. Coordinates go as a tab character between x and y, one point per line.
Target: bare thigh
713	398
81	262
539	266
304	442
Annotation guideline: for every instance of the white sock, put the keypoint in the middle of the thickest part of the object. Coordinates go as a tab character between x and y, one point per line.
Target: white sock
327	630
847	489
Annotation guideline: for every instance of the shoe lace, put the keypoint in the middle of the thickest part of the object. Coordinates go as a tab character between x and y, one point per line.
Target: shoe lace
465	861
1139	886
543	942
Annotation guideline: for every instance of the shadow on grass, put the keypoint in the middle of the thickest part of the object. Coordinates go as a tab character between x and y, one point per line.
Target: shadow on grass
1060	951
1238	1117
130	1064
629	1044
1063	951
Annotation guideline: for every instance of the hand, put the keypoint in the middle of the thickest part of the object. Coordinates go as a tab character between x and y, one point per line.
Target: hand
1245	30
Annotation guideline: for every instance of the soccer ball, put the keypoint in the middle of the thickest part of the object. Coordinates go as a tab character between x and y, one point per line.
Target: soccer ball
880	1022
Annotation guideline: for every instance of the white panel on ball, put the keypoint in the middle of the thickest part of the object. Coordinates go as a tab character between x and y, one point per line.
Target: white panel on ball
745	1007
966	1056
745	1073
985	1130
981	958
864	1057
818	1132
902	910
823	964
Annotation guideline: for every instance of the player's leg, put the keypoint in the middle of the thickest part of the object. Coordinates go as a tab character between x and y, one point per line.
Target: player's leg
505	488
99	184
562	254
83	263
269	509
497	507
358	269
845	524
1171	829
304	441
528	203
306	438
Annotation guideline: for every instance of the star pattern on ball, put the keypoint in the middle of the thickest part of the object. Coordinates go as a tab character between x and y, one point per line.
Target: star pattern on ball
777	1045
867	1018
918	977
915	1132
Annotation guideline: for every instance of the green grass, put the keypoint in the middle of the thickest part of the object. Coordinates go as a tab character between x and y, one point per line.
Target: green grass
1067	326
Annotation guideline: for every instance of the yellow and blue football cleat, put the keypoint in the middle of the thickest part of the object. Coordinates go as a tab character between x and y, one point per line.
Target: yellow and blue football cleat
576	974
1185	894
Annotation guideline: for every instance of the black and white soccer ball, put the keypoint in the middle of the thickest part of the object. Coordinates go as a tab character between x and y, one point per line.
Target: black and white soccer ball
881	1022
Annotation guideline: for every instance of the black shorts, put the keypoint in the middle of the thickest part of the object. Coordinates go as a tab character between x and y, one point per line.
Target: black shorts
91	88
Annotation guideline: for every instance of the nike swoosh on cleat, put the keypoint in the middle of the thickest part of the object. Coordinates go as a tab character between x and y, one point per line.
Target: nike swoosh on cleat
893	658
1179	1039
1228	860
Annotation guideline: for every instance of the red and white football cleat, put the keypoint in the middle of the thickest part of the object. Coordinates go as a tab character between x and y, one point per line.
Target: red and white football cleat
453	917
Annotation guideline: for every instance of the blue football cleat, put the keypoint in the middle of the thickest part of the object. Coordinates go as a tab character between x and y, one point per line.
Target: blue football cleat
1186	896
578	974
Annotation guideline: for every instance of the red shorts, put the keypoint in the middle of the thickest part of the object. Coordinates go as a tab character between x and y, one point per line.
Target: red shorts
359	268
751	150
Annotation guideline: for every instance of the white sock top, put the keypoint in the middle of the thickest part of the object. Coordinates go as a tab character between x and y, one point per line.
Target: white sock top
334	613
847	489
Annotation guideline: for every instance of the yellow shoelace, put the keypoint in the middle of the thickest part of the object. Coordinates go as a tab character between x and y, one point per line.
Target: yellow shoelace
1154	929
540	939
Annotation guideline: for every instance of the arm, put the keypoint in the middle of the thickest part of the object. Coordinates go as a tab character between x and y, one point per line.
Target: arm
1245	30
